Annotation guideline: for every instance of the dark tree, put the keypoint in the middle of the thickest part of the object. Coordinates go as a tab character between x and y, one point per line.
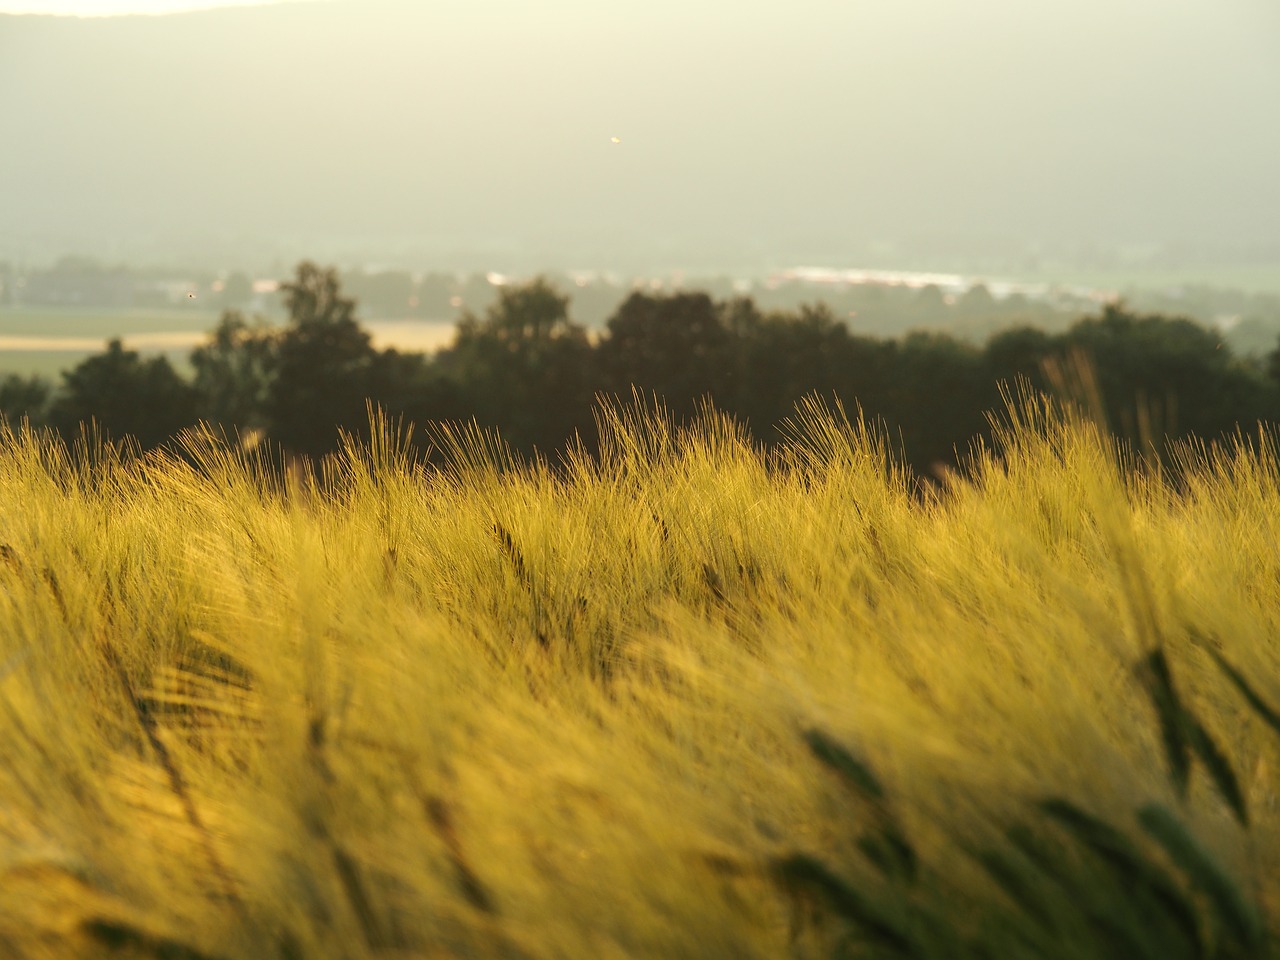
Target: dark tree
1167	377
323	365
525	366
940	392
234	371
126	395
1019	352
782	358
25	398
412	387
676	346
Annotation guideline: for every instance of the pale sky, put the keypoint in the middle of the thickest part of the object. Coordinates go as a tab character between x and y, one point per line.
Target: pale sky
748	131
111	8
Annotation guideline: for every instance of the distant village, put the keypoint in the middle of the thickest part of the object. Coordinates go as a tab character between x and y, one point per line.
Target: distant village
871	301
82	282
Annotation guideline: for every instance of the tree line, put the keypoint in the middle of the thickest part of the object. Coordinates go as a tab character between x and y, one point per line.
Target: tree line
525	367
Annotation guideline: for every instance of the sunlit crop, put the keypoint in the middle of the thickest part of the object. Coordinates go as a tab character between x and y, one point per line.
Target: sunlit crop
680	699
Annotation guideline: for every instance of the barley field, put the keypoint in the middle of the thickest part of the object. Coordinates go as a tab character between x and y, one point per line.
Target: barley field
680	699
48	341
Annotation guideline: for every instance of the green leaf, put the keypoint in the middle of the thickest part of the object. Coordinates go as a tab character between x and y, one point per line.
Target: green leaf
891	853
1158	679
1219	767
799	871
1020	887
1238	918
1268	714
1144	888
855	774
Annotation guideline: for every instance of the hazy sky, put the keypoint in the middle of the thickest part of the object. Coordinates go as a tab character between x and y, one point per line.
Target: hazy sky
775	131
108	8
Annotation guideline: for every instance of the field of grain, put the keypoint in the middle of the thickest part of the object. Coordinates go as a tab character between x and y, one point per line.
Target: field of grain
680	700
46	342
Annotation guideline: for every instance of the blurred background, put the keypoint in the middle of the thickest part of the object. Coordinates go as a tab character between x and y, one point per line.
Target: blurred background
915	165
1098	139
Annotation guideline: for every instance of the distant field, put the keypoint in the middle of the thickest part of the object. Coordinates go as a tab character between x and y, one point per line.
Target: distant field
51	363
85	322
46	342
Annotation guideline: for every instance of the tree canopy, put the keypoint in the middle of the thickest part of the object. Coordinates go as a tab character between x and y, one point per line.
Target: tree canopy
526	368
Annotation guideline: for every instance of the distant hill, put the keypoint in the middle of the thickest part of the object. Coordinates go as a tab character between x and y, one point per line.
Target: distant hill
745	130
